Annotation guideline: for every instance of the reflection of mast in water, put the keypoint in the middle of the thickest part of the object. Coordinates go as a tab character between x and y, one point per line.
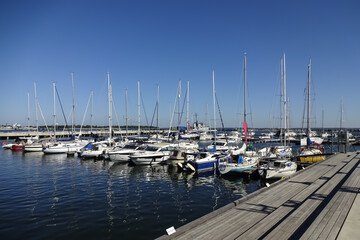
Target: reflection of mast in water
110	210
55	199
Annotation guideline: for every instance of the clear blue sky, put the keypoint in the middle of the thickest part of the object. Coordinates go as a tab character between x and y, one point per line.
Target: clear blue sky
160	42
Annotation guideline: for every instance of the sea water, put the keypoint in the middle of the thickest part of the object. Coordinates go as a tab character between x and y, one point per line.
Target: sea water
60	197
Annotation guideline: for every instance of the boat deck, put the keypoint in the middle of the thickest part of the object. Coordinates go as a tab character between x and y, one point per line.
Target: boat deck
314	203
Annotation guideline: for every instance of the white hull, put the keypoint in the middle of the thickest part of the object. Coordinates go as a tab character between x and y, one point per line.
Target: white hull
92	154
119	157
33	148
148	160
230	167
282	169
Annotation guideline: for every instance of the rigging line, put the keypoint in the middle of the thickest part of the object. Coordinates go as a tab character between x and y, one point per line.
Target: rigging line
182	109
42	115
117	119
85	114
153	116
142	101
173	112
222	122
62	110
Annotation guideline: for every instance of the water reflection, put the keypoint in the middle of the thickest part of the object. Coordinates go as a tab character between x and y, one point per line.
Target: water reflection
56	195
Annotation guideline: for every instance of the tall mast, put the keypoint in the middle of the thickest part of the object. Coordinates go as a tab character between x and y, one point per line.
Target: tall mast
28	108
110	104
179	105
126	113
285	102
187	106
213	78
308	99
91	115
36	113
139	108
157	111
73	109
244	88
54	86
281	99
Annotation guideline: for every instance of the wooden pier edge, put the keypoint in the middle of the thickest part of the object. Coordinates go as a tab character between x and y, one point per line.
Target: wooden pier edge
227	207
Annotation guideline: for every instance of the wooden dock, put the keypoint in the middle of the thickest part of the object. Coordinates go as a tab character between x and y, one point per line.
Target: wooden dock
313	204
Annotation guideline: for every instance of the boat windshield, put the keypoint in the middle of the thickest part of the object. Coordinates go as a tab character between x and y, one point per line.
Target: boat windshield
152	148
220	143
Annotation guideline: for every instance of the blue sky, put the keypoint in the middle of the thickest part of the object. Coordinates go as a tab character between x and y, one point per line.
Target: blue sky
160	42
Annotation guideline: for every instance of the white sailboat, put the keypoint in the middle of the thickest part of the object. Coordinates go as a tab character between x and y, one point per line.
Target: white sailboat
245	157
313	151
206	161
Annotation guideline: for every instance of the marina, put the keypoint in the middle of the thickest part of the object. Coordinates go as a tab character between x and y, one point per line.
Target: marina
313	204
54	192
179	120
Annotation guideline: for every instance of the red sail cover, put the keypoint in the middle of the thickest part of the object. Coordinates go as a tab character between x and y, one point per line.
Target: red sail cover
245	131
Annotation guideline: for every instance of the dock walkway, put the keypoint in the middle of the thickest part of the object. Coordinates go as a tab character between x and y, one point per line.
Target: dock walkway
318	202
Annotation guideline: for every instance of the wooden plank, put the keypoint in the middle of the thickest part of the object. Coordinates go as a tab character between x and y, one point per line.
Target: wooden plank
297	218
322	220
279	211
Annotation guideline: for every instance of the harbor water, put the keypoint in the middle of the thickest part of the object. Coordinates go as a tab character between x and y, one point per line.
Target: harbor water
60	197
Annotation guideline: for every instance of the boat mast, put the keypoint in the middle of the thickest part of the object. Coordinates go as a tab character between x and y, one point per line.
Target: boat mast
28	108
245	123
281	99
73	108
285	102
36	113
126	113
308	99
91	115
138	108
187	107
245	88
109	103
179	105
157	112
54	115
213	78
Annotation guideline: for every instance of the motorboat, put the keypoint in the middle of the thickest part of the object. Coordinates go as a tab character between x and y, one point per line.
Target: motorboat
123	154
179	155
279	168
223	146
203	161
96	150
153	154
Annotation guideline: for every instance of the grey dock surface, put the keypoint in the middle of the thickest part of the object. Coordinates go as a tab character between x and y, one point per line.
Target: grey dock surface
319	202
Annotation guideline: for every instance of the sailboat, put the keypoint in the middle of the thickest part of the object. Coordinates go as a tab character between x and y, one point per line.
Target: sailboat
209	160
313	152
282	150
276	160
245	157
